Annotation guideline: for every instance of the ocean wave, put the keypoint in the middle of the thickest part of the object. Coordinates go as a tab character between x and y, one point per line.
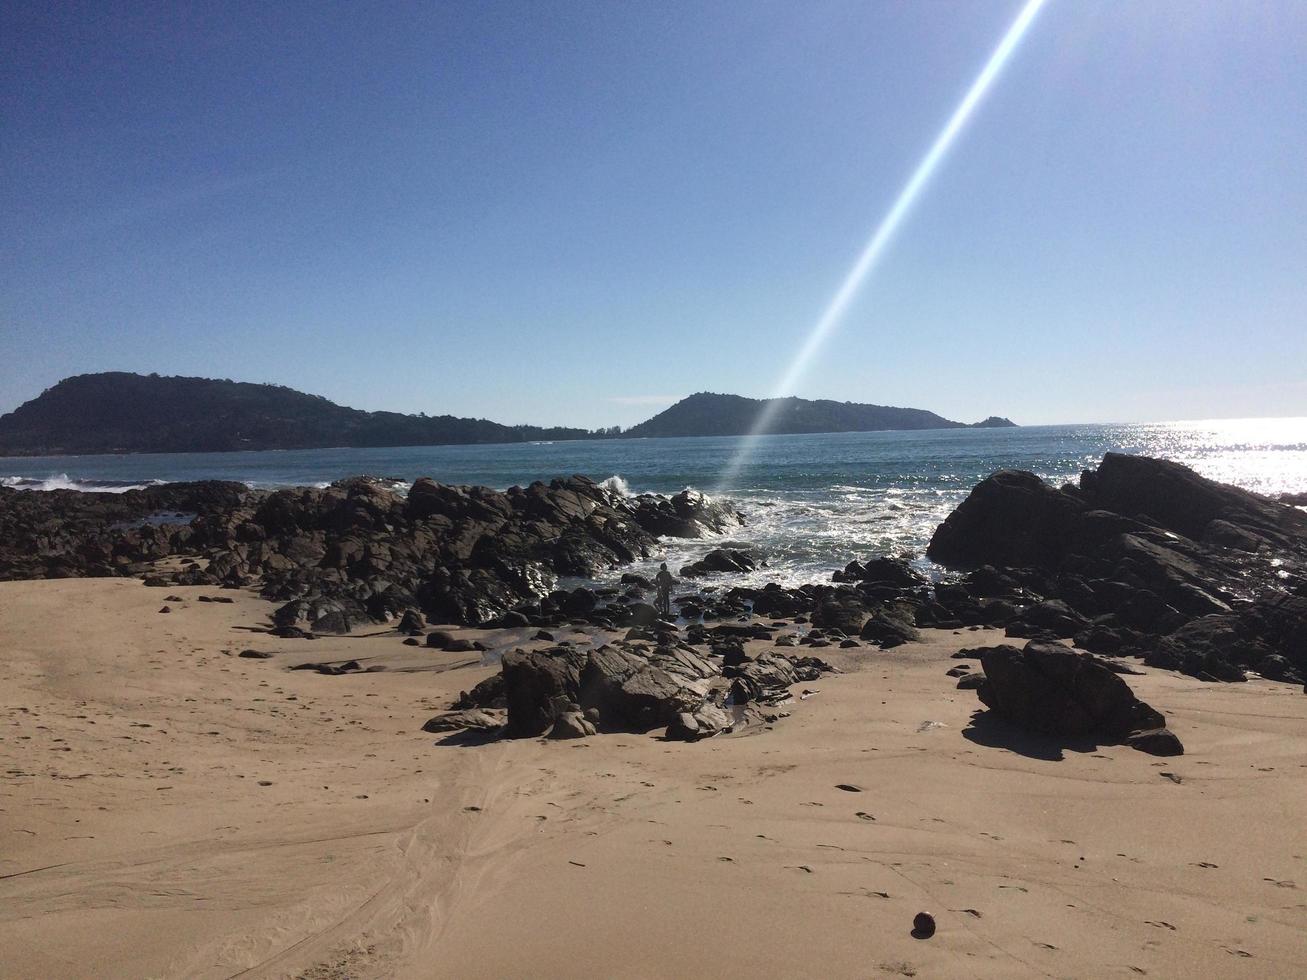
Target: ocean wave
62	481
617	485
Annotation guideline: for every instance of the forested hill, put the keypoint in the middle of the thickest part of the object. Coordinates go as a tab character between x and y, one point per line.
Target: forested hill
709	414
117	412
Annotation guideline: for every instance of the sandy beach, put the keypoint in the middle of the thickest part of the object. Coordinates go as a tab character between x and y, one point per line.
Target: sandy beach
169	808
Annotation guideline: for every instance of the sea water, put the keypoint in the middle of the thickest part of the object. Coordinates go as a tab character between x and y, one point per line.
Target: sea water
813	502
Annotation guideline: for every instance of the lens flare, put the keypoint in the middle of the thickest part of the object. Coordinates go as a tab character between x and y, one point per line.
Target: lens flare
880	238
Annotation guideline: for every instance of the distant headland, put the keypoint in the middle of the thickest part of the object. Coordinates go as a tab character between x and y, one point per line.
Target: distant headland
121	412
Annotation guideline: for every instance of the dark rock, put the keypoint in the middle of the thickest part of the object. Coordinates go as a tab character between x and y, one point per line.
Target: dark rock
639	614
688	514
893	572
580	602
1051	616
1155	741
255	654
1053	689
889	628
971	682
845	613
411	621
720	560
1216	645
1146	546
923	925
1011	518
533	682
487	694
635	693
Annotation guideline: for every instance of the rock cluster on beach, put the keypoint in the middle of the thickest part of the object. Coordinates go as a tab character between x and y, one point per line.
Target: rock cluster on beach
565	691
1143	558
357	551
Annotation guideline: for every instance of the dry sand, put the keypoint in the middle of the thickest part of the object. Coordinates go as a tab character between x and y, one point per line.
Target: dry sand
169	809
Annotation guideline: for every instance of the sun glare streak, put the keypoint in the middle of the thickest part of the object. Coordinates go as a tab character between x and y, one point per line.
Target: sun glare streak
880	238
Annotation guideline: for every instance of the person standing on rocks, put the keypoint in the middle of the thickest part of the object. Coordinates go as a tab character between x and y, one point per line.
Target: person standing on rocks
665	580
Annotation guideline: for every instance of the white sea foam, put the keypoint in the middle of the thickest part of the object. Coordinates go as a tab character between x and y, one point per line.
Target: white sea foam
62	481
618	485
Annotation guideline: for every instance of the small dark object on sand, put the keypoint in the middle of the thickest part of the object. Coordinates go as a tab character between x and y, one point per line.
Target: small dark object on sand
923	925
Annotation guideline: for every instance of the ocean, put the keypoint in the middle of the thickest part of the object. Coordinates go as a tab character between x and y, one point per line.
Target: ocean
813	502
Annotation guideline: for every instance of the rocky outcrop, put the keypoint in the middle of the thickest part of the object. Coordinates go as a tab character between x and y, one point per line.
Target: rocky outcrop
1144	558
895	573
1054	690
629	687
356	551
720	560
70	534
688	514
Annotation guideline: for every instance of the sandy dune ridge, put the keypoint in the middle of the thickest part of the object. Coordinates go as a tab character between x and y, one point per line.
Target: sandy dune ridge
168	808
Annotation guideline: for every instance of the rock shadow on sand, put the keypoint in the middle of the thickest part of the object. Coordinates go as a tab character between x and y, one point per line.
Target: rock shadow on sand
991	731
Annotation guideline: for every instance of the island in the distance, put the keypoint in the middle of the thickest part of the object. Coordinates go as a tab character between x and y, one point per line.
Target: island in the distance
121	412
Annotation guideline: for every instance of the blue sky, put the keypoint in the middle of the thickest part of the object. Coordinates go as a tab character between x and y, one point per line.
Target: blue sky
573	213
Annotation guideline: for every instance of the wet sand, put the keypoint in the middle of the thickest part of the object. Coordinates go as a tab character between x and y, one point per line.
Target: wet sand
168	808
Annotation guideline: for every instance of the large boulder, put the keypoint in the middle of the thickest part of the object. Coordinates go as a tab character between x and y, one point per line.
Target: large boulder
890	627
1055	690
628	687
1010	518
1180	500
890	572
633	692
720	560
535	683
842	612
688	514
